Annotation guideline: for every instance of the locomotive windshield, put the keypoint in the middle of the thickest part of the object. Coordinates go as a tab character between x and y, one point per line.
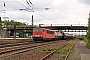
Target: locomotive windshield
37	30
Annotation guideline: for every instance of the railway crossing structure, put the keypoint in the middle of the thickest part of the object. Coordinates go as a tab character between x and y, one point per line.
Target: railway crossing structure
12	30
65	28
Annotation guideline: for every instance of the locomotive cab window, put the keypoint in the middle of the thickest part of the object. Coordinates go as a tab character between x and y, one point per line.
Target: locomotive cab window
40	30
37	30
34	30
50	32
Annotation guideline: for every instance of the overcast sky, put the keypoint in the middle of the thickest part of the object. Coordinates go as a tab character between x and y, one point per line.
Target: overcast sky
59	12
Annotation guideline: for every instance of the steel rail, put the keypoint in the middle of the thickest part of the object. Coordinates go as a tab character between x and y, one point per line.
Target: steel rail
69	52
23	49
47	56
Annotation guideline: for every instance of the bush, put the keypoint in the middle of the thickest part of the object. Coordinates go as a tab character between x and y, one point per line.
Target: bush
87	42
80	38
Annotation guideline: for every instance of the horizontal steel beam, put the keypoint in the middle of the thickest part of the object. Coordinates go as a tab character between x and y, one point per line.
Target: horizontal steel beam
51	27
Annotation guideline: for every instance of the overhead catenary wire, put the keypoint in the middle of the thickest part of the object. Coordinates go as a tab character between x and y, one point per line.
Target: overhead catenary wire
40	11
34	6
31	2
9	13
28	3
42	15
50	8
19	3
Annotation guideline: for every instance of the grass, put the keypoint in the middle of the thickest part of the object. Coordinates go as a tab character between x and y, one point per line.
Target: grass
87	42
52	49
78	58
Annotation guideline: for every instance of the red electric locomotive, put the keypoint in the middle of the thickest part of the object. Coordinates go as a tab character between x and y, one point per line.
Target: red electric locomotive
43	34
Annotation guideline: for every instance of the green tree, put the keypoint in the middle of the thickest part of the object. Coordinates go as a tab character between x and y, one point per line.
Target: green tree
88	33
12	23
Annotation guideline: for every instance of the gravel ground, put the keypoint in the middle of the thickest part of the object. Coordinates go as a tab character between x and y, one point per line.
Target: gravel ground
30	55
11	40
55	56
34	54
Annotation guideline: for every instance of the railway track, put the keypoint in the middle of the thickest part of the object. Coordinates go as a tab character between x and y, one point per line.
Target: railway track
3	45
20	49
66	58
51	53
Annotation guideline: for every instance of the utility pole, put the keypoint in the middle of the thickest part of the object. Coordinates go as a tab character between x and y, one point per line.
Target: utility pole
32	26
4	4
14	31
